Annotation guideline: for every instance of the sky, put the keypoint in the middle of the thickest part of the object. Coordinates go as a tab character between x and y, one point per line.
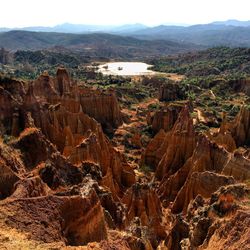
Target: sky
23	13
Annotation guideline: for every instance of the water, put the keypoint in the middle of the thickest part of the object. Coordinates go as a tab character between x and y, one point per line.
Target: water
125	69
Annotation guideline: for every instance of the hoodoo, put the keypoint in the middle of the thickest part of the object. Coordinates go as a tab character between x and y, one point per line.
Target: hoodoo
124	163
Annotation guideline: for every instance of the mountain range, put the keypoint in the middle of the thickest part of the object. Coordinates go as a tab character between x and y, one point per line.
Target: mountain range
207	34
93	45
82	28
159	40
126	28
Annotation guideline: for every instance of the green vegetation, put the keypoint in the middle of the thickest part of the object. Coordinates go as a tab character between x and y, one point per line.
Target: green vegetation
212	81
147	131
153	106
214	61
98	45
146	169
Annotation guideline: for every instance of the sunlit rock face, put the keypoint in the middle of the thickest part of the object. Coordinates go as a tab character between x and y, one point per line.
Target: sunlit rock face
143	204
169	151
67	115
187	167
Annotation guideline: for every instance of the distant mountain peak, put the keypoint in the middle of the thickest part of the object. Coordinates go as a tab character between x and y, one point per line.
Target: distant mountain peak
233	22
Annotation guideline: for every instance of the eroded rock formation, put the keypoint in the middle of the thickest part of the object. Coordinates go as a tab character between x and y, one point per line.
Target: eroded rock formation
166	117
203	183
180	147
74	220
143	203
169	151
63	184
180	187
207	228
180	175
61	110
171	91
241	132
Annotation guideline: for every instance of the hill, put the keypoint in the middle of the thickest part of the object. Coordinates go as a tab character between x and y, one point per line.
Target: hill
96	44
213	61
215	34
231	33
234	22
80	28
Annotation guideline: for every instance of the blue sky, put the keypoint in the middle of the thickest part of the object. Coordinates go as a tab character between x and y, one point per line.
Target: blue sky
21	13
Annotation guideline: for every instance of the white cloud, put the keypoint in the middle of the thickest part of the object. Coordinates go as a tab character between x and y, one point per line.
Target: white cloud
17	13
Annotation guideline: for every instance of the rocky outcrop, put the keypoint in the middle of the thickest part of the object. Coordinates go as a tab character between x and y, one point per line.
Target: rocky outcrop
115	211
204	184
155	149
166	117
116	173
180	145
11	169
9	111
202	227
58	215
167	152
207	156
225	139
61	110
238	166
142	202
178	232
103	106
11	158
43	88
63	82
83	219
135	141
71	216
16	88
30	187
34	146
209	230
241	130
241	85
62	183
7	180
72	220
171	91
232	234
182	165
38	152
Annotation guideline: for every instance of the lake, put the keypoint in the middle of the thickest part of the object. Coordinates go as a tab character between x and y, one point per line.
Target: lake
125	69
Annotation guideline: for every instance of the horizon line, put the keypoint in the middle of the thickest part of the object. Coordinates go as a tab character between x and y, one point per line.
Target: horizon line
181	24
